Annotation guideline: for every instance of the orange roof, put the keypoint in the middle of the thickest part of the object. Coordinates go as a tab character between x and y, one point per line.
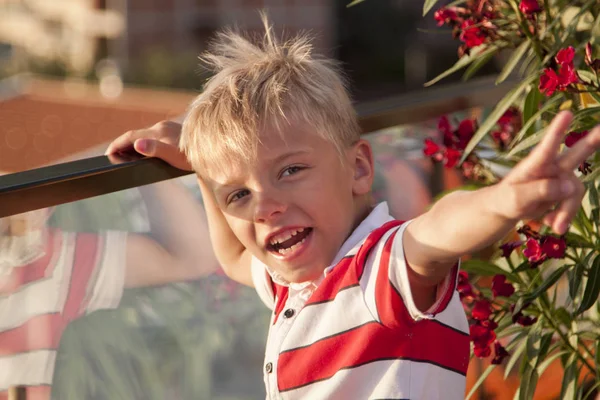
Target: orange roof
52	120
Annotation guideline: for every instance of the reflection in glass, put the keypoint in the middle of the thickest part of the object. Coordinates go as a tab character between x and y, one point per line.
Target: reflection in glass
120	297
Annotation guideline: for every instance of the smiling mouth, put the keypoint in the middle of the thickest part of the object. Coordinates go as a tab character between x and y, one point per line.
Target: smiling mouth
291	243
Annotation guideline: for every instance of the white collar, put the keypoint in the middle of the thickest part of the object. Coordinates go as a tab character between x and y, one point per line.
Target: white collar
377	217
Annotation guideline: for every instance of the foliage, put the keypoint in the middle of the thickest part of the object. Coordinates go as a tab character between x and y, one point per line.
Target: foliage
536	300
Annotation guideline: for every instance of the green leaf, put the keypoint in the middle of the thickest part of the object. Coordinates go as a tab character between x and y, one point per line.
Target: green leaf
495	115
546	363
483	268
514	357
590	112
569	382
529	380
428	5
462	62
528	124
513	61
526	143
550	280
597	359
482	377
592	176
531	104
354	2
478	64
587	76
563	316
534	343
592	287
574	277
593	195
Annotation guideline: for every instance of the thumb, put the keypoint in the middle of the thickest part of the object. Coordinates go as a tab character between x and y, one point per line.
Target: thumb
166	152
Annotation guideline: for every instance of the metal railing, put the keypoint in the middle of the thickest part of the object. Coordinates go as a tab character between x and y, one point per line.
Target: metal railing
63	183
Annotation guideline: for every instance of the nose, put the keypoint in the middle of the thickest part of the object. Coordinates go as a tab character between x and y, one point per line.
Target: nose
269	205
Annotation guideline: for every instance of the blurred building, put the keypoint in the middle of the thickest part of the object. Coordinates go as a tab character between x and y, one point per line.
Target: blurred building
78	33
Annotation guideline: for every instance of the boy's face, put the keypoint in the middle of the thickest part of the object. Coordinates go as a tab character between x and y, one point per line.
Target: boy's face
295	206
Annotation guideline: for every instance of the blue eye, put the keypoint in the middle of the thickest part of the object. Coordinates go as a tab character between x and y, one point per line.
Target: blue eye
238	195
291	170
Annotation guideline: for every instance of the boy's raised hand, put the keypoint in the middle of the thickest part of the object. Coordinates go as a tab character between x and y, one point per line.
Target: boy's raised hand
160	140
544	183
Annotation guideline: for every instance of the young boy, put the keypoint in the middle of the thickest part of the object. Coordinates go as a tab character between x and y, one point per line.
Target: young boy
363	306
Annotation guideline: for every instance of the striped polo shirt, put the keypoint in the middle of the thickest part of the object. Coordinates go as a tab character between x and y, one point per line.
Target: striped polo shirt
356	332
78	274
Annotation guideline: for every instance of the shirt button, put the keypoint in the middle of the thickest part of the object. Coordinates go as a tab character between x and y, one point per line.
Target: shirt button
269	368
289	313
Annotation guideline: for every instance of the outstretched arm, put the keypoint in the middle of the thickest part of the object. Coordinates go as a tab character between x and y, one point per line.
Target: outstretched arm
465	222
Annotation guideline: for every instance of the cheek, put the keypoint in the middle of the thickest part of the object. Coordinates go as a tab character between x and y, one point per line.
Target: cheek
242	229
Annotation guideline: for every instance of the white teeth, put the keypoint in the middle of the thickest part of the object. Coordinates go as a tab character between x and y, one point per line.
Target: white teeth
291	248
285	236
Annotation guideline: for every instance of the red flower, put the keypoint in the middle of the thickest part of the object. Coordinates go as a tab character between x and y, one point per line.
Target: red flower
554	247
482	337
548	82
567	76
502	138
464	287
500	353
482	310
574	137
482	351
565	56
589	54
489	324
430	148
466	129
472	35
529	7
444	126
519	318
500	287
508	247
445	16
592	62
509	119
451	157
533	252
526	320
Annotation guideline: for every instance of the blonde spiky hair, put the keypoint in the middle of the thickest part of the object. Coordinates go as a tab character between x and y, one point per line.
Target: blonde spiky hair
259	83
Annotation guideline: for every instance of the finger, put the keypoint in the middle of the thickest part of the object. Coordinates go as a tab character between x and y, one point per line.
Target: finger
542	157
165	151
550	218
124	143
550	144
584	148
567	209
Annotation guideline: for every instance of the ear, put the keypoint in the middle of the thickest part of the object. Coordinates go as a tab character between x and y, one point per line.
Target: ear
363	168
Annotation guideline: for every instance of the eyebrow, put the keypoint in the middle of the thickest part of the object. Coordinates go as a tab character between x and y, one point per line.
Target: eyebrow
223	186
284	156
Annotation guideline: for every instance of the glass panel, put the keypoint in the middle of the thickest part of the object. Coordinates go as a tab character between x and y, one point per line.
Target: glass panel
94	306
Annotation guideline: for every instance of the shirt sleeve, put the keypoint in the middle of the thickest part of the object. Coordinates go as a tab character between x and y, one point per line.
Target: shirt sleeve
387	287
106	287
399	280
262	282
